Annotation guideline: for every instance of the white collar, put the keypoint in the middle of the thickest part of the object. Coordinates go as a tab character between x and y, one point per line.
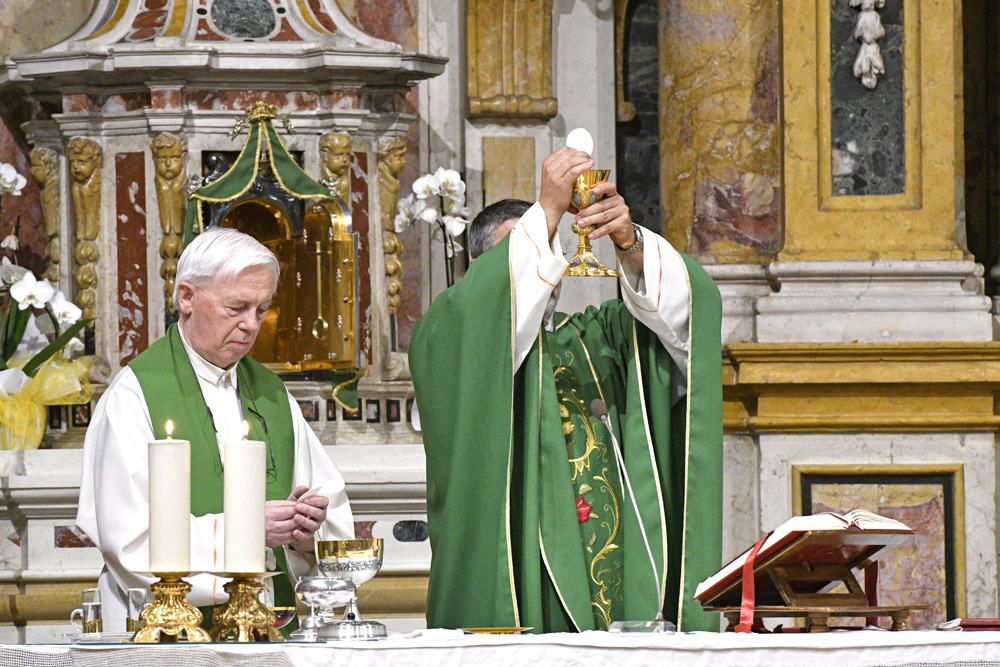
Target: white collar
205	370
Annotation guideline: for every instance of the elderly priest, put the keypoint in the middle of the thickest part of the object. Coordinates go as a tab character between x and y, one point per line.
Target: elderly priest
529	521
198	376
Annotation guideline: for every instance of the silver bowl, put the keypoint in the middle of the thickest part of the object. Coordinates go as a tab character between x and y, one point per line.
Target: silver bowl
324	593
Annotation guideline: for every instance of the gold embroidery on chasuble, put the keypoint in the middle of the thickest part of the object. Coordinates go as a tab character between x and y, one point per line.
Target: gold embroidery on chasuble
595	479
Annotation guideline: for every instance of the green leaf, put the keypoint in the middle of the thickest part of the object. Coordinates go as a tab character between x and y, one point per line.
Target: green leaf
17	322
36	361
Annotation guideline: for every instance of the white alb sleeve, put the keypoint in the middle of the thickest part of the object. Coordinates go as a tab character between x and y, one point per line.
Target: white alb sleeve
658	295
537	266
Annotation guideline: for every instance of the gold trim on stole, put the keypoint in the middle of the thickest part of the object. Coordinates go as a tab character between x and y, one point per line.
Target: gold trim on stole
656	469
510	444
687	445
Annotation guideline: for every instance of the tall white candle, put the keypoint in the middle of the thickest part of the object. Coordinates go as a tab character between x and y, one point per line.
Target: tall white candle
244	479
169	504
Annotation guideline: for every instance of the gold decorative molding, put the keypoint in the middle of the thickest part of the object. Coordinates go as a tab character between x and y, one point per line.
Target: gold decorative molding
170	162
954	470
509	51
86	157
335	164
872	387
391	159
45	169
916	225
625	109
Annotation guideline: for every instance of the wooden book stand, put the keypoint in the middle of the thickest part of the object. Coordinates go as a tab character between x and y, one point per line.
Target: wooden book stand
799	578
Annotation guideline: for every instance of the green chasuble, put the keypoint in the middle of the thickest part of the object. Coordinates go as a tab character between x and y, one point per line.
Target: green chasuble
171	390
529	522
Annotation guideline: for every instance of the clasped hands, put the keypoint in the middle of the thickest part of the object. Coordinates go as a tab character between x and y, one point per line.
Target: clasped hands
609	216
293	522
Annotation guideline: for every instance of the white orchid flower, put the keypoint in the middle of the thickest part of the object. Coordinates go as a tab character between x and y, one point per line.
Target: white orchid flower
9	272
10	180
450	184
404	213
454	226
428	213
29	292
426	186
73	345
10	241
66	311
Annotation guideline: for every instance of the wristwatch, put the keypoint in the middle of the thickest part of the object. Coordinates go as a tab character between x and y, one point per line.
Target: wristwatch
635	247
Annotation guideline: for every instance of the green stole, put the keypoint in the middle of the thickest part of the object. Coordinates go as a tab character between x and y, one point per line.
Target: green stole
508	548
171	390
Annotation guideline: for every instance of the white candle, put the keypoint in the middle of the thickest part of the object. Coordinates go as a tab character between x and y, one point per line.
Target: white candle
244	480
169	504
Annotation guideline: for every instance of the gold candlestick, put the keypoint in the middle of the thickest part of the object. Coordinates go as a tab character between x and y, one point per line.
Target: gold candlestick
171	614
245	617
585	262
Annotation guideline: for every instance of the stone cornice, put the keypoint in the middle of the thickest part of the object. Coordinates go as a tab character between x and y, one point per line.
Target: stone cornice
836	387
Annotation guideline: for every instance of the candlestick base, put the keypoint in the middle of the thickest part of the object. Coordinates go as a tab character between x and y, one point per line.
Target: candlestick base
171	615
244	617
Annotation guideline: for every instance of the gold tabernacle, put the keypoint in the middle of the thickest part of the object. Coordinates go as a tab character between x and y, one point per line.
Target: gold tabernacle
170	615
585	262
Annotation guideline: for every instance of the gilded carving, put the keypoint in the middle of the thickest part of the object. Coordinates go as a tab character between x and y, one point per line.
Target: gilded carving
392	157
868	66
626	109
169	161
45	169
85	161
509	48
335	162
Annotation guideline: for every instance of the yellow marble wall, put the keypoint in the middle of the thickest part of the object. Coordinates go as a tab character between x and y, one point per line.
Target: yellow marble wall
917	225
720	144
508	168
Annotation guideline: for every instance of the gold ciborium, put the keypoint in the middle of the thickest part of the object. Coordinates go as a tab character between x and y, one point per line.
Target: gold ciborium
585	262
356	561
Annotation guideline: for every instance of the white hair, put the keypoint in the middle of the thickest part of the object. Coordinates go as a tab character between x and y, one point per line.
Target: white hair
221	253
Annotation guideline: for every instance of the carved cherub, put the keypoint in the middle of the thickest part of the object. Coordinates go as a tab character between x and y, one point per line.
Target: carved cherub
335	162
85	161
45	169
392	158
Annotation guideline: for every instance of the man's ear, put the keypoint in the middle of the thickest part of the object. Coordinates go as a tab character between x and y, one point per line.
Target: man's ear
185	297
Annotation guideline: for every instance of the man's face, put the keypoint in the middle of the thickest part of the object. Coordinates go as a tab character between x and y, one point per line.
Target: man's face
222	318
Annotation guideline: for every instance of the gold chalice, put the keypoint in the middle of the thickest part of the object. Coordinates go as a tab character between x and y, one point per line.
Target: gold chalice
585	262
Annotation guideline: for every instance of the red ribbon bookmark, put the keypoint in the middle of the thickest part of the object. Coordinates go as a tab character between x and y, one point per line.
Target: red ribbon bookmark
746	623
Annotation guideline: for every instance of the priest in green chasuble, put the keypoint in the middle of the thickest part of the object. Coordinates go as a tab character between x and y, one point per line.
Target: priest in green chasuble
198	376
530	523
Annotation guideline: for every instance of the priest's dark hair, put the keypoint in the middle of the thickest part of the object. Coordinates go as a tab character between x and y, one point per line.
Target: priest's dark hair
482	231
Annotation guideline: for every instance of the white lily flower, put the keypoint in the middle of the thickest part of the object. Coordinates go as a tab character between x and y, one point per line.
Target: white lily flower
10	241
450	183
426	186
66	311
9	272
31	292
10	180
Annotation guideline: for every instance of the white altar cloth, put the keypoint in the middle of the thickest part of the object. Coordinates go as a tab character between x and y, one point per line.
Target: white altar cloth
835	649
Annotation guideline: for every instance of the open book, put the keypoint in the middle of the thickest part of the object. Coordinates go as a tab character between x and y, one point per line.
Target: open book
811	540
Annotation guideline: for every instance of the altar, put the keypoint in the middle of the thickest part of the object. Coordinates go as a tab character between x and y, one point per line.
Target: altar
835	649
